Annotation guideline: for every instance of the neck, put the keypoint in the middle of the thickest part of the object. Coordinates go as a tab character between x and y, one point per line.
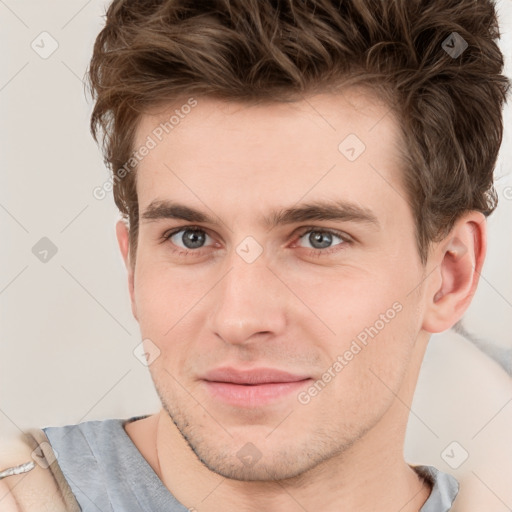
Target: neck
366	476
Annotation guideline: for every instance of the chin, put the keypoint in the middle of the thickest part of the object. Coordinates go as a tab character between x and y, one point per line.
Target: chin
277	468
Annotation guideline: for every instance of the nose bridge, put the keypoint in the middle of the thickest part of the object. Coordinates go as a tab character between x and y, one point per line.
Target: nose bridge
247	300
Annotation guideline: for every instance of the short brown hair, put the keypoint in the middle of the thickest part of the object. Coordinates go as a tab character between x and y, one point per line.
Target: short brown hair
449	105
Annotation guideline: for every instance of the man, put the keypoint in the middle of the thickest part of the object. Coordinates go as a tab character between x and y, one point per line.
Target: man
305	188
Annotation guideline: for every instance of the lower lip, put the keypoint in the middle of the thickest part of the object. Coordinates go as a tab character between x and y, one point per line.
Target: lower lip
253	396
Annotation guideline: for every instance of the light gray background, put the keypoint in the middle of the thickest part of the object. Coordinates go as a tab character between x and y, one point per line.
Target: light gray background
67	333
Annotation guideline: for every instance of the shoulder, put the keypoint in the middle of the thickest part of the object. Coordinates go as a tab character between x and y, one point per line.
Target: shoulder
30	478
80	436
444	489
464	396
32	462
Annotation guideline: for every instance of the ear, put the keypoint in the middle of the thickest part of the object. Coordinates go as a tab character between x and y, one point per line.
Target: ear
458	260
123	239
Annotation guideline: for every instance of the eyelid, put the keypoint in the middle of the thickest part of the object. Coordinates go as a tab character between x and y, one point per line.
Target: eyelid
189	227
299	233
340	234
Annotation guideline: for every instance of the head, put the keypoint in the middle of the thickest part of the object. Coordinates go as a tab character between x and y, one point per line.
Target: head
304	187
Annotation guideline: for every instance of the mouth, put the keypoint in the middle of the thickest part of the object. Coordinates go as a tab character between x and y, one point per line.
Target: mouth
252	388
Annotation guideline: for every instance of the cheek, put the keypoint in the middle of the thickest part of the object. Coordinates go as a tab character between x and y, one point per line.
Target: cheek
352	300
382	346
363	375
375	322
164	295
168	301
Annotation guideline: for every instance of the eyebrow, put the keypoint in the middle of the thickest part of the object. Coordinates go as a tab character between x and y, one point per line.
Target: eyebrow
319	210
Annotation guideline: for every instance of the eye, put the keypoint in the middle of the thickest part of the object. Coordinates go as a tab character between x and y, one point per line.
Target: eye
321	240
188	238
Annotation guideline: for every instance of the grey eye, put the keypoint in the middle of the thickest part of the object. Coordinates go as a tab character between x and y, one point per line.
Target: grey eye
320	239
190	238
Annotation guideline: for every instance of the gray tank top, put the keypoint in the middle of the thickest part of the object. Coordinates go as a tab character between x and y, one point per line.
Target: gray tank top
107	473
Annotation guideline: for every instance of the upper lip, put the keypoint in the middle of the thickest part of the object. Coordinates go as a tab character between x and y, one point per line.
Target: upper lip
253	376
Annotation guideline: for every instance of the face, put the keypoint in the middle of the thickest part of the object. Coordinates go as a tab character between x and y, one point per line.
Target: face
277	277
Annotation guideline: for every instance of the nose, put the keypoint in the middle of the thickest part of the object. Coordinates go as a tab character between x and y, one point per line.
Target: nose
249	302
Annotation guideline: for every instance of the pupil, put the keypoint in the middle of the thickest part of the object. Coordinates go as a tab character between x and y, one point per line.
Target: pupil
324	239
193	239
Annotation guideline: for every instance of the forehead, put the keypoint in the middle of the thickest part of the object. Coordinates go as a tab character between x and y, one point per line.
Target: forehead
253	156
328	115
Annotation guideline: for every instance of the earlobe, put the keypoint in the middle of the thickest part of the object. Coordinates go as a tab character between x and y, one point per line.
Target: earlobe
459	259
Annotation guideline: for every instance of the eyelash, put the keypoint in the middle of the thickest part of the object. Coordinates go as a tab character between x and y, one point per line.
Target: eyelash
312	252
